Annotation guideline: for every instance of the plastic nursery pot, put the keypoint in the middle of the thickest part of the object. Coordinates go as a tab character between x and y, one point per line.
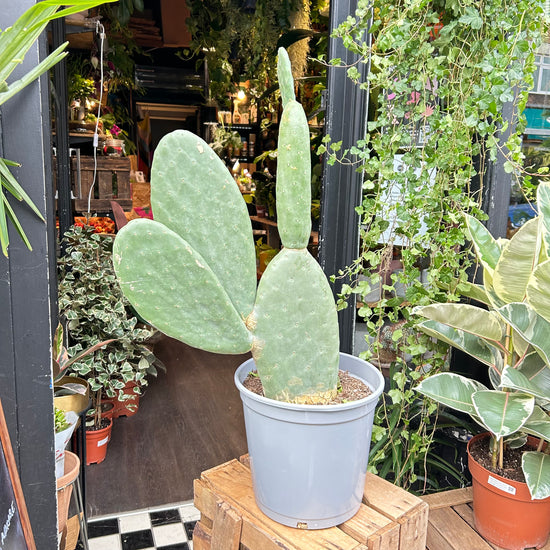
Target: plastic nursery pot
504	512
309	462
96	444
65	488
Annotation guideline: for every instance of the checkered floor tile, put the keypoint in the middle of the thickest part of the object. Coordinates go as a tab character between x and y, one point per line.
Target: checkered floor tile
166	529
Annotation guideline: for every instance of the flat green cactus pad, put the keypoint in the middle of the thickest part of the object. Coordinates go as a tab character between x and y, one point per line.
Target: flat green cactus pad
294	178
172	287
193	193
296	328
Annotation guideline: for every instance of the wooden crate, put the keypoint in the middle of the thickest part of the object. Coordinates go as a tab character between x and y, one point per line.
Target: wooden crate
451	523
104	189
389	519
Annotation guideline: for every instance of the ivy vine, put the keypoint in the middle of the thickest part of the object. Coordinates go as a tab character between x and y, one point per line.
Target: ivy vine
441	73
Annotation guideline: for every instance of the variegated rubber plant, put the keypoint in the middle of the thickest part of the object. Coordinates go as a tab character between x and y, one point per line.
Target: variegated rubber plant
510	333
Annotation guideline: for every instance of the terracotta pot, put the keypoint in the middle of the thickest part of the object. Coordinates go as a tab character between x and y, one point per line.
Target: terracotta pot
96	444
129	406
504	512
65	488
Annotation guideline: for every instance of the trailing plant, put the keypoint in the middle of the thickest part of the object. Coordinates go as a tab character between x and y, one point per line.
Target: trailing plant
15	41
441	73
96	310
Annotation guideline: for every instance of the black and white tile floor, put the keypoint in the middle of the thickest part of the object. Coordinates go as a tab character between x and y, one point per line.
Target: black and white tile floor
154	529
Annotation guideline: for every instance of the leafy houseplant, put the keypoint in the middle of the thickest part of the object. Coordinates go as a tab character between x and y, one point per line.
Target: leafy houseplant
437	119
204	293
15	42
508	332
99	316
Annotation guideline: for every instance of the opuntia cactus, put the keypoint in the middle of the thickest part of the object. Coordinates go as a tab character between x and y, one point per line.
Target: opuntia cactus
192	271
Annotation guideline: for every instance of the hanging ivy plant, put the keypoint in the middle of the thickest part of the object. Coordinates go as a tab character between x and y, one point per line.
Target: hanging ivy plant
441	73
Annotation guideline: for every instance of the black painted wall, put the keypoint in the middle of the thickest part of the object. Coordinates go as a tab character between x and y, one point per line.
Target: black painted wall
27	290
346	116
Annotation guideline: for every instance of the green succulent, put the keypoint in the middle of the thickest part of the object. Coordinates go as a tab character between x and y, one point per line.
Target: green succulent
192	271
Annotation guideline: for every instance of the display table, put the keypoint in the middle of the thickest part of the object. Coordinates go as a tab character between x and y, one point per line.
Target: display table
389	518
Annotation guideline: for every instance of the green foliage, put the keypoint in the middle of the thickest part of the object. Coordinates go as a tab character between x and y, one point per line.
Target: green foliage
96	310
440	75
237	44
509	333
15	41
60	421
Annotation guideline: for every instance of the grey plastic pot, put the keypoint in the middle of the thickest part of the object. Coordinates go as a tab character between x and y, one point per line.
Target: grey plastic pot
309	462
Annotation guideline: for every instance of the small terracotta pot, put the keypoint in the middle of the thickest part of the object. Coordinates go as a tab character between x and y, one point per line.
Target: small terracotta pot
504	512
65	488
129	406
96	444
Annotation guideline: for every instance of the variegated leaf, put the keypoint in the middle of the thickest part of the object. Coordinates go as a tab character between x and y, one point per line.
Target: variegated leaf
514	379
470	344
535	369
538	290
477	321
538	424
536	467
503	413
517	262
543	206
487	249
532	327
474	292
451	390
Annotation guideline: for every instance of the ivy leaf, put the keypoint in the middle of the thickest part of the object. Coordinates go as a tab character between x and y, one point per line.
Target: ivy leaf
472	18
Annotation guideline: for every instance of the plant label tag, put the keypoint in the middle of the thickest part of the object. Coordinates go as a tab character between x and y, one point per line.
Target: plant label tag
102	442
501	485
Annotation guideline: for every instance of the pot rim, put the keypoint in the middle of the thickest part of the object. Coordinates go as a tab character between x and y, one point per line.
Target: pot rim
373	397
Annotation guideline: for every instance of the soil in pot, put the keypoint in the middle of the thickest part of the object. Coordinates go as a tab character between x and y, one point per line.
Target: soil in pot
480	452
349	387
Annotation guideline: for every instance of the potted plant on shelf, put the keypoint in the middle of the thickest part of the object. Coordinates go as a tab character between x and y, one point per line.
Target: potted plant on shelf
99	316
204	292
508	332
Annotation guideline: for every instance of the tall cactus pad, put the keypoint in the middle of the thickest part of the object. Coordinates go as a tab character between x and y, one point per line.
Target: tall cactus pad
284	74
296	330
193	193
171	286
294	178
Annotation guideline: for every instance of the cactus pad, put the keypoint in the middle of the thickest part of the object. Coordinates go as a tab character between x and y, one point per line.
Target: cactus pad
171	286
193	193
296	329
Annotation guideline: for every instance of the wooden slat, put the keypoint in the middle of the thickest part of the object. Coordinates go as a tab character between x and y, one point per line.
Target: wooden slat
202	537
251	534
232	482
367	523
448	498
413	528
448	531
226	530
388	499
